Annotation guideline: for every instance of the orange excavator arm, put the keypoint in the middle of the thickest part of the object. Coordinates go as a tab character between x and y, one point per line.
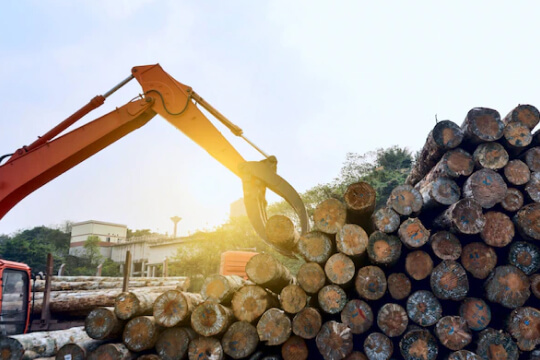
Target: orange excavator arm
30	167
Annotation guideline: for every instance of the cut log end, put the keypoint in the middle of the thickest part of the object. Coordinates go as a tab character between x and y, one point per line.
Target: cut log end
418	264
527	115
240	340
476	313
392	320
524	326
311	277
478	259
482	125
386	220
383	248
445	245
307	323
332	299
405	200
141	333
453	332
424	308
281	232
508	286
335	340
330	216
352	240
449	281
370	283
358	316
418	344
378	346
315	246
205	348
399	286
413	233
274	327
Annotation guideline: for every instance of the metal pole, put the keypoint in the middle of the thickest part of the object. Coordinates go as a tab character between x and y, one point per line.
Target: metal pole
127	271
46	310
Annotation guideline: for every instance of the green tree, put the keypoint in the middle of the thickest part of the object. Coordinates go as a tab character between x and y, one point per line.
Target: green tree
91	251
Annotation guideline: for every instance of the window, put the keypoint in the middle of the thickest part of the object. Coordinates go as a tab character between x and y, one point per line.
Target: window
14	302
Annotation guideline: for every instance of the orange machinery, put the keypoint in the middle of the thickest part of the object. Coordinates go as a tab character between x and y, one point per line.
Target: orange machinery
14	298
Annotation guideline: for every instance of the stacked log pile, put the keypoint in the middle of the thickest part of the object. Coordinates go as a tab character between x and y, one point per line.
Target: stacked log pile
448	269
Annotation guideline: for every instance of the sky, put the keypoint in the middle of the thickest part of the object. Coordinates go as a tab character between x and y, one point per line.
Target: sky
307	81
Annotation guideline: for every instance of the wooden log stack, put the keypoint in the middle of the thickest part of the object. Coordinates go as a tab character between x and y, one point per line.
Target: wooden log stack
447	269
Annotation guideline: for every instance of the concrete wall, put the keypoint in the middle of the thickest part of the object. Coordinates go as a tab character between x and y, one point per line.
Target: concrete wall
108	233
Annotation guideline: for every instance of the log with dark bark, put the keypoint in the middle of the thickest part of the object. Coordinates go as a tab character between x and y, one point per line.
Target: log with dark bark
454	164
527	221
221	288
307	323
240	340
352	240
463	355
205	348
316	246
405	200
508	286
332	299
11	349
445	135
111	352
513	200
335	340
392	319
516	137
357	315
77	351
464	217
527	115
266	271
535	285
360	199
478	259
449	281
524	326
370	283
532	189
274	327
141	333
378	346
418	264
482	125
295	348
418	344
383	249
499	229
496	344
386	220
399	286
453	332
517	172
251	301
330	216
102	324
293	298
525	256
339	269
173	308
476	313
445	245
280	232
311	277
356	355
173	343
132	304
424	308
439	192
490	155
211	319
486	187
413	233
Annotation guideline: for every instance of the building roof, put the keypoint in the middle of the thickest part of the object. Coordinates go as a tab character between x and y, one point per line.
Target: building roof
98	222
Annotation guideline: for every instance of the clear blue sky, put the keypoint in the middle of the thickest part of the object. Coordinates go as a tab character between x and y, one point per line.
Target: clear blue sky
308	81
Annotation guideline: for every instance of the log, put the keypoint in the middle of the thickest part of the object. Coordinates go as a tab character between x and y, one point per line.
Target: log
307	323
490	155
221	288
516	137
240	340
330	216
439	192
311	277
293	298
493	344
378	346
453	332
517	172
339	269
449	281
281	233
498	230
315	246
101	279
11	349
464	355
508	286
532	158
482	125
418	264
486	187
357	315
251	301
334	341
445	245
405	200
111	352
356	355
527	221
525	256
535	285
294	348
352	240
205	348
386	220
524	326
266	271
332	299
43	343
132	304
424	308
370	283
102	324
476	313
141	333
383	249
211	319
478	259
535	355
173	308
413	233
463	217
445	135
392	319
532	189
149	357
454	164
418	344
173	343
513	200
77	351
399	286
360	200
274	327
527	115
116	283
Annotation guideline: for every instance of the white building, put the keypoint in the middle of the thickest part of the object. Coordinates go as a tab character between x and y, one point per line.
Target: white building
109	234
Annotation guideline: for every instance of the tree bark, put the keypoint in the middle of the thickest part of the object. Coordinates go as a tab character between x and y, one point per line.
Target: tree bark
399	286
335	340
330	216
311	277
251	301
141	333
527	115
383	249
418	344
221	288
476	313
453	164
527	221
274	327
405	200
513	200
240	340
357	315
386	220
307	323
332	299
173	308
378	346
418	265
464	217
439	192
339	269
493	344
392	319
102	324
478	259
352	240
482	125
445	245
205	348
360	199
486	187
413	233
266	271
294	348
111	352
293	299
453	332
508	286
424	308
173	343
449	281
370	283
524	326
316	246
211	319
281	233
